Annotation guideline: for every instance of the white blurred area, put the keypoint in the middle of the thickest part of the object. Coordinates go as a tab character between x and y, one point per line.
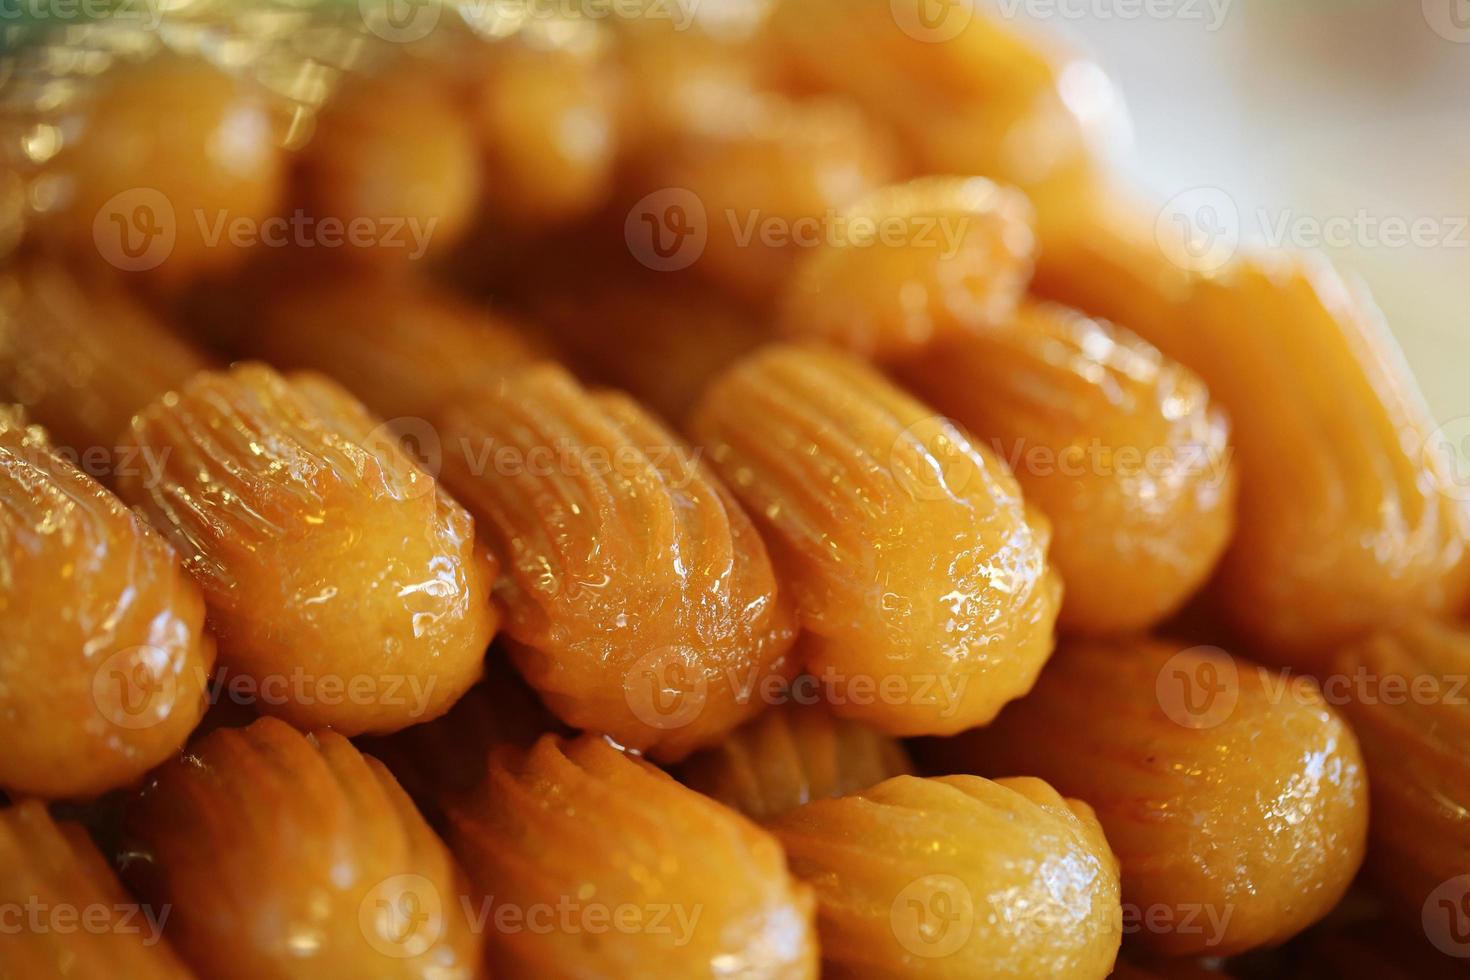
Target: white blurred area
1309	112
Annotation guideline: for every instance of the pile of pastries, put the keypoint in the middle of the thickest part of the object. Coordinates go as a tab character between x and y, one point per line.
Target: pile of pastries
691	490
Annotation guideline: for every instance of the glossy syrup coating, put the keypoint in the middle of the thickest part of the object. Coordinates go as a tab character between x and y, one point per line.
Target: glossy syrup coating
1406	696
394	159
167	154
547	108
1349	516
283	854
739	199
339	576
105	658
400	344
1120	446
640	600
67	914
83	356
624	872
957	877
1235	798
966	92
791	755
927	259
920	574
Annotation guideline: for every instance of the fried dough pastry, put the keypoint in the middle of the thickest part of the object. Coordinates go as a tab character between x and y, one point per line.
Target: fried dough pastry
791	755
103	655
83	356
401	345
1406	695
739	199
1349	516
1234	798
927	259
338	574
589	862
67	914
640	600
957	877
291	855
168	155
920	575
966	93
395	161
547	107
1121	447
659	336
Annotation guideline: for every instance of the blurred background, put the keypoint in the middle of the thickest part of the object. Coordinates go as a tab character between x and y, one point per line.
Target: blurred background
1337	125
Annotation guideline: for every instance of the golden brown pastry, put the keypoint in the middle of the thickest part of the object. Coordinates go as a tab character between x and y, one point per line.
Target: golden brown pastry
589	862
1405	692
291	855
340	577
401	345
661	337
547	109
83	356
1349	519
1121	447
957	877
920	261
640	600
104	661
920	574
758	185
965	91
1235	798
391	173
168	155
66	915
790	755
